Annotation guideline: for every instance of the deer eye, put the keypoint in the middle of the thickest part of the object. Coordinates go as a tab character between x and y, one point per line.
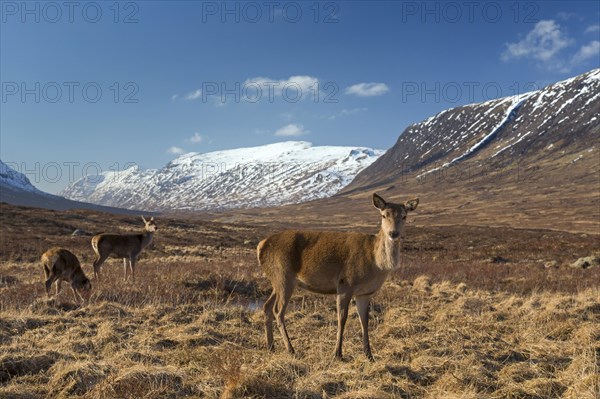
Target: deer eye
383	215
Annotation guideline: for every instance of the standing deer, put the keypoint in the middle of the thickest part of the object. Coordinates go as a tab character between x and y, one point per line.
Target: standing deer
61	265
349	265
126	246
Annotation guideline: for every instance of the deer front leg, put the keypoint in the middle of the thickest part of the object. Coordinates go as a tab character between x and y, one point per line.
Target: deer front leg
51	279
343	301
58	286
132	261
76	295
362	306
125	268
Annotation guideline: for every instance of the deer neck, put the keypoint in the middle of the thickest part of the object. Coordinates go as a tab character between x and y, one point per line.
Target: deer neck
147	238
387	252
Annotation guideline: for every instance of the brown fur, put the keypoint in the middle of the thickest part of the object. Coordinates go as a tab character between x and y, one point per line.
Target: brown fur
61	265
126	246
350	265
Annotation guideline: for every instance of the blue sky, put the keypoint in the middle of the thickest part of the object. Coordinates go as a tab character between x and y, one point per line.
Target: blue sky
94	86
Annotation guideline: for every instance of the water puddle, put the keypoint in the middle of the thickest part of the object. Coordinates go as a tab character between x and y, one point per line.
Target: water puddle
255	305
251	305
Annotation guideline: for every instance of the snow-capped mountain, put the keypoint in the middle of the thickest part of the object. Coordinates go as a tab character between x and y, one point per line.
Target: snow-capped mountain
554	130
17	189
13	180
275	174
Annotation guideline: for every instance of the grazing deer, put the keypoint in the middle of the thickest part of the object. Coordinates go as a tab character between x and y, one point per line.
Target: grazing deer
349	265
126	246
61	265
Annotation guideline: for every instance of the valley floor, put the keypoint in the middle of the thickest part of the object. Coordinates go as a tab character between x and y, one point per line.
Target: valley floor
471	314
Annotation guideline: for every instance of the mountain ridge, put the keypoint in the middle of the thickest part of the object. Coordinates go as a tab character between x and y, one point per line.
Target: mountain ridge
17	189
443	139
269	175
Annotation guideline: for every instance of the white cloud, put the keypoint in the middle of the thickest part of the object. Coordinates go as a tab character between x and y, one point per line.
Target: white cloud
346	112
287	116
301	86
367	89
592	28
542	43
291	130
175	150
587	51
352	111
197	138
566	15
292	89
259	132
194	95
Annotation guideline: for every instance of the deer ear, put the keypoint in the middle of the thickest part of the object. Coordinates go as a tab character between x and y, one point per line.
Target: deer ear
411	205
378	202
144	219
152	219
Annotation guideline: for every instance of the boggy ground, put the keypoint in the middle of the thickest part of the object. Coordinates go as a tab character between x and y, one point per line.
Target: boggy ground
473	313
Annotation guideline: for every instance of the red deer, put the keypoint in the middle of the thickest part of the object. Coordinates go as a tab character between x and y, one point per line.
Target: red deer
346	264
126	246
61	265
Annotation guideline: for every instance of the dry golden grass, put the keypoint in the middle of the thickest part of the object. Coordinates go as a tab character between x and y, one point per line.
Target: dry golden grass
188	331
447	325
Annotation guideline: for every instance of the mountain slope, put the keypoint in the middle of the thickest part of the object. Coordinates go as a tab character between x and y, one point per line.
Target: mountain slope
526	161
555	127
11	179
275	174
16	189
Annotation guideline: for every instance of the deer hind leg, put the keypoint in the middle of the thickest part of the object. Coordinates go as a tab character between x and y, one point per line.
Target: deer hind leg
46	272
98	261
343	301
269	309
362	306
283	298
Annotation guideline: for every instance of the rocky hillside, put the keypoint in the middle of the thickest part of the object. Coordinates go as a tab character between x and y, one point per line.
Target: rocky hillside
526	161
554	128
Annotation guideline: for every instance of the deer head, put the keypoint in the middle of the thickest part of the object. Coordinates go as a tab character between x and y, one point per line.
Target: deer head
393	216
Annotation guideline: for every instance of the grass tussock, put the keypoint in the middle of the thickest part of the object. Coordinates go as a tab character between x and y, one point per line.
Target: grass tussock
72	378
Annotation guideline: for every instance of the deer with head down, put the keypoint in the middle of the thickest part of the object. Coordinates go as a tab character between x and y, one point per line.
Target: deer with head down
346	264
61	265
125	246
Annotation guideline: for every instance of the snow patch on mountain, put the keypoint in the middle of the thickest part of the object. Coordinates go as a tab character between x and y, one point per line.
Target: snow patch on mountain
510	113
274	174
516	101
10	178
513	131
